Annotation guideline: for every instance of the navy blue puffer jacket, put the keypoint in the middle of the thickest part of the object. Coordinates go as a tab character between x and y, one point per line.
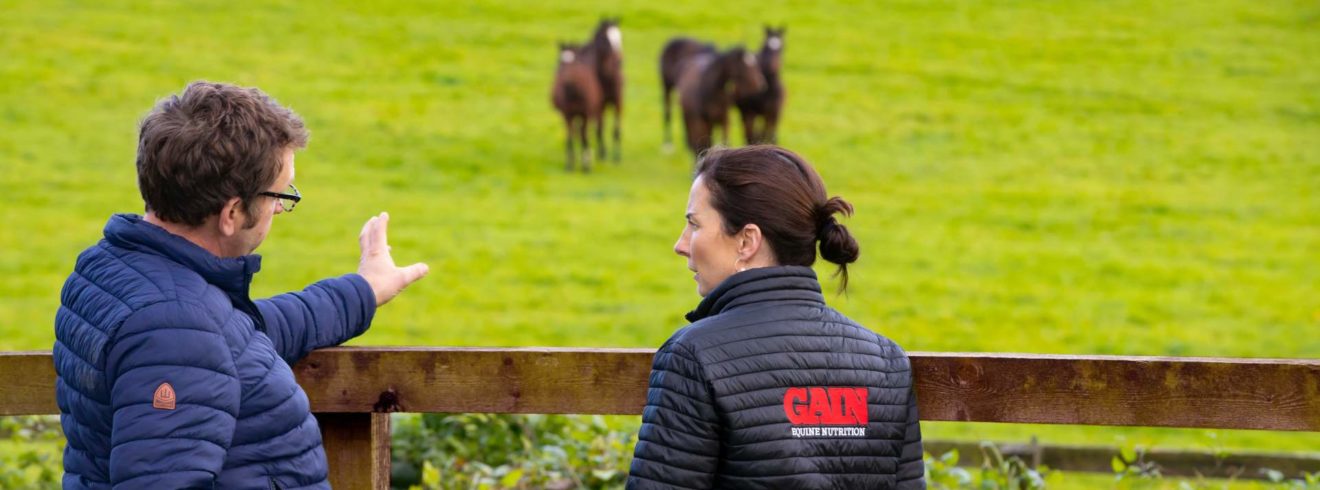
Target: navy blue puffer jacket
771	389
170	376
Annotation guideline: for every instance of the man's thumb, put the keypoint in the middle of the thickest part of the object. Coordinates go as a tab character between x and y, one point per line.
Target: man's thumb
415	272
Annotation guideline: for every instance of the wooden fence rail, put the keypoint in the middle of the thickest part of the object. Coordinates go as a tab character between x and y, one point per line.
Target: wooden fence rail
351	390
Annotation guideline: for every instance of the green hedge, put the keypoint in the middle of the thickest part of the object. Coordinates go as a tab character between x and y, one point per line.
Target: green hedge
490	452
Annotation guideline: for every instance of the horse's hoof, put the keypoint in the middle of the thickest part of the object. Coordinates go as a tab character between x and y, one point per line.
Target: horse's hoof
667	148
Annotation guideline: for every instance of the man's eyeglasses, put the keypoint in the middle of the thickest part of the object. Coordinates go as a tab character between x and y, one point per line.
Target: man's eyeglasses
287	201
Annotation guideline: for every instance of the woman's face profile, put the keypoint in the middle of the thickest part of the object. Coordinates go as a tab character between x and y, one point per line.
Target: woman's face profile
709	251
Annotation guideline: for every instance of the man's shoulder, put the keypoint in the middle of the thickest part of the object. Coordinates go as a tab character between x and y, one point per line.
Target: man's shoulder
115	293
110	285
135	278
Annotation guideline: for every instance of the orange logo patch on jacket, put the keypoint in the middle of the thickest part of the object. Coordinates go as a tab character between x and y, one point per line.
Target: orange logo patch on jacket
164	398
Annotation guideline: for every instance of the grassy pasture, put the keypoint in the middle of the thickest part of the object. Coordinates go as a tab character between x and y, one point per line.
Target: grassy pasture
1068	177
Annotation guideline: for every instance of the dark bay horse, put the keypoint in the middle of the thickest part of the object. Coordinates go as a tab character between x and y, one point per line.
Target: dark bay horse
705	92
760	109
673	58
605	51
578	96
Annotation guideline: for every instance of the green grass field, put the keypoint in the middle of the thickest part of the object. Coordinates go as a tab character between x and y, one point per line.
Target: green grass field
1056	177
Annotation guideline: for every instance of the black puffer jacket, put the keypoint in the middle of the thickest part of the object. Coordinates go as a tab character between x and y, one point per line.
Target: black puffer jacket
769	388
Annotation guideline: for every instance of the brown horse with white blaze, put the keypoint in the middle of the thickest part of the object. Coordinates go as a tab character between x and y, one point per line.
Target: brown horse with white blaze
578	96
761	109
705	92
605	51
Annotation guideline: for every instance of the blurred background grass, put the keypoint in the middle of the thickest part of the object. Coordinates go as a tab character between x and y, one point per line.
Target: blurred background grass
1065	177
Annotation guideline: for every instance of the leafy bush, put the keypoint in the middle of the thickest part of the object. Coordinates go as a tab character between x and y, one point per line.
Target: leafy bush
30	452
943	473
503	452
485	451
997	472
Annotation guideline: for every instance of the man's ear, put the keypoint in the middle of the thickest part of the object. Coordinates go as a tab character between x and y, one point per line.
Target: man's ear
231	217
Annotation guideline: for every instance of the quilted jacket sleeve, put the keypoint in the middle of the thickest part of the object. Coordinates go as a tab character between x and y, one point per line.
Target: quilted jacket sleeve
911	469
173	436
326	314
678	445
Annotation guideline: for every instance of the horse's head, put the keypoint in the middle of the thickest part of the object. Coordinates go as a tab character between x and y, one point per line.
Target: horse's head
773	47
744	70
568	53
608	34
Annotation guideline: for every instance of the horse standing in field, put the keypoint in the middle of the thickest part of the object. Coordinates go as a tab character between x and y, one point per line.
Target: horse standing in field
605	51
578	96
705	86
673	59
760	109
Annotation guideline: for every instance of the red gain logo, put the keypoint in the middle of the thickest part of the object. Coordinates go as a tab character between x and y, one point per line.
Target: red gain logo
825	406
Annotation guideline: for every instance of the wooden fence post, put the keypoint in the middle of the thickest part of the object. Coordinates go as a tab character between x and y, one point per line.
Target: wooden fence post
357	447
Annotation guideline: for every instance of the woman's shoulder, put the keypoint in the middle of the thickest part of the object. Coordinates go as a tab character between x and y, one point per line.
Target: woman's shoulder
777	324
690	334
723	324
699	335
886	345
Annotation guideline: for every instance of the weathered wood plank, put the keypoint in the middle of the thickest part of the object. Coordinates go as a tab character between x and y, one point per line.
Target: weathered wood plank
1276	394
357	448
27	383
522	380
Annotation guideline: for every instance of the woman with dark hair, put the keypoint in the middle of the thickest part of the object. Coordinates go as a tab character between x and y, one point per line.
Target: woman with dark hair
769	387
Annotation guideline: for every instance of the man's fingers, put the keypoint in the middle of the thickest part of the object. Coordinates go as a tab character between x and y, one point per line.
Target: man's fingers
364	235
382	241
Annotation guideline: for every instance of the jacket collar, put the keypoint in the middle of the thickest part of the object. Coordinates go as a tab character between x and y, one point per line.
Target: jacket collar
231	274
781	283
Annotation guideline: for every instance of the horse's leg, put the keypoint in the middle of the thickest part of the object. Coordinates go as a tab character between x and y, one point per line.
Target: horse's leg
600	135
568	143
749	128
706	138
771	131
724	132
699	136
618	133
691	127
586	145
668	142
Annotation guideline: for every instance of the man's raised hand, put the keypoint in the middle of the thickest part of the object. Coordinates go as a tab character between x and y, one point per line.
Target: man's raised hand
377	266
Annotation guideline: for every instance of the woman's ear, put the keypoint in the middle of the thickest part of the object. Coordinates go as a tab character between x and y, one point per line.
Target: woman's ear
749	241
231	217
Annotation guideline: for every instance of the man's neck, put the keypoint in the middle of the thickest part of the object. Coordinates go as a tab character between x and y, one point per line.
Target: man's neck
203	236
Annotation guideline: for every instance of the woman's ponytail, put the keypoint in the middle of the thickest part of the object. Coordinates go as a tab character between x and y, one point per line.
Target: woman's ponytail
837	245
